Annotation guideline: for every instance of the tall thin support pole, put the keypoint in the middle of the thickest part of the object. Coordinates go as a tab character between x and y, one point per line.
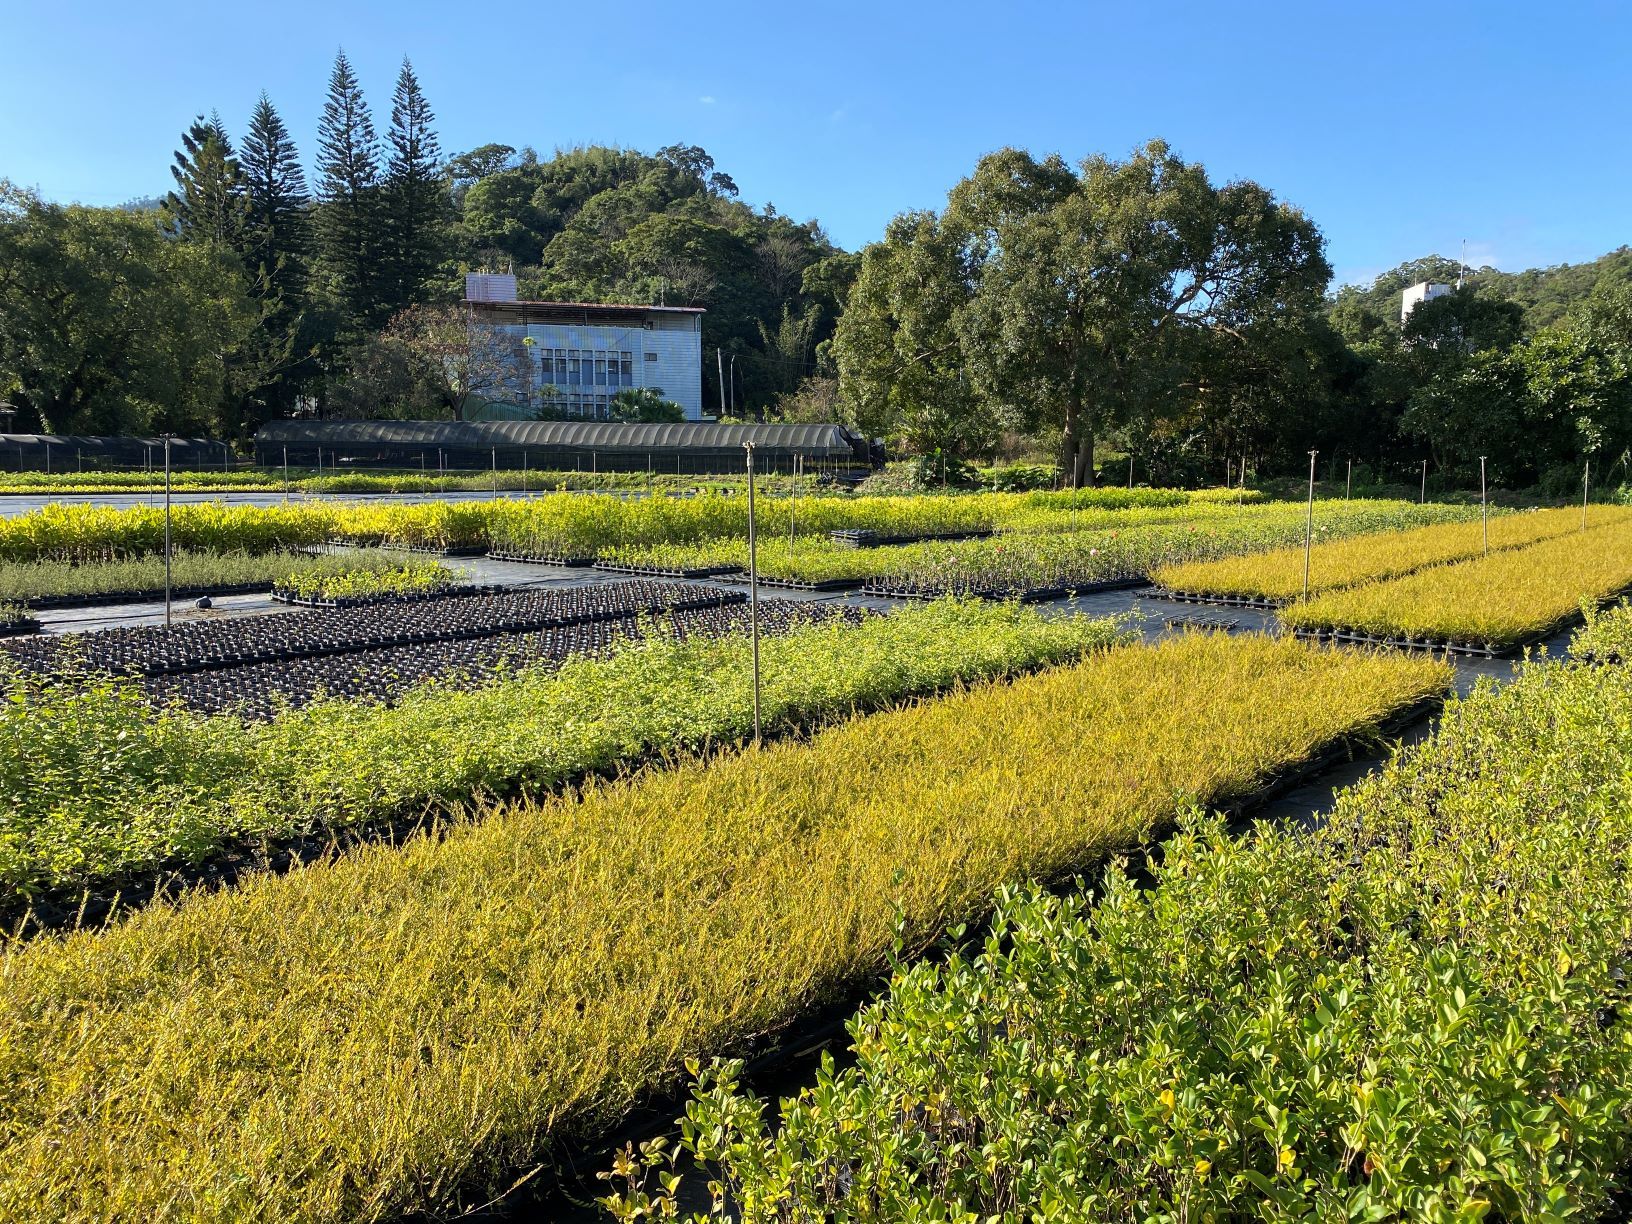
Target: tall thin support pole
167	587
719	362
1348	487
495	471
753	586
1586	483
1130	471
1422	498
1309	527
286	475
1484	505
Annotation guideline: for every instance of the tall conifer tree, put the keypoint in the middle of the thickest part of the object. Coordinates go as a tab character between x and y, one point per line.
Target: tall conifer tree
277	239
208	204
416	196
349	231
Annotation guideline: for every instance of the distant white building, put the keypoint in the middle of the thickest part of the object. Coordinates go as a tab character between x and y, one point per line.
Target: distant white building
584	353
1422	291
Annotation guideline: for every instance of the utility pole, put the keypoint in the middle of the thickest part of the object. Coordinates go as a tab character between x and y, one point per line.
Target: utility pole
753	586
167	591
1309	527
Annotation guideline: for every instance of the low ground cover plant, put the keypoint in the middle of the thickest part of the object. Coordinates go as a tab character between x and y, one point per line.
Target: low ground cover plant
190	570
1511	597
1419	1012
403	1029
96	786
1607	635
359	576
1278	576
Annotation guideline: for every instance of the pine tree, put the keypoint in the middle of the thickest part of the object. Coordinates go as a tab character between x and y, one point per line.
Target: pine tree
276	238
416	197
209	204
348	190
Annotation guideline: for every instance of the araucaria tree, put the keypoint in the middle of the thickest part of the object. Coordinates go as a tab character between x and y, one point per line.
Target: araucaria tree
349	230
416	196
1073	298
208	203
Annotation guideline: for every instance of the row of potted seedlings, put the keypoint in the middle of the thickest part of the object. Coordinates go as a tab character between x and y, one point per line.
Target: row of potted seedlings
207	645
259	691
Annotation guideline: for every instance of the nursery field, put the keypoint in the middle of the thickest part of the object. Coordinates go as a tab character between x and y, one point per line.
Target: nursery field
1277	577
1418	1012
401	1030
1489	604
98	787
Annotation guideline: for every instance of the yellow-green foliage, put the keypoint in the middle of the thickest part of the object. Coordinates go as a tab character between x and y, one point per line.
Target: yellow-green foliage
404	1028
1607	635
1278	576
78	532
1501	600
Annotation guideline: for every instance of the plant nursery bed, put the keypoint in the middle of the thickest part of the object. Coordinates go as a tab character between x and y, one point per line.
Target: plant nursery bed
999	594
862	537
1220	601
453	550
1470	650
1222	624
544	559
21	627
740	578
45	603
369	601
778	1062
652	571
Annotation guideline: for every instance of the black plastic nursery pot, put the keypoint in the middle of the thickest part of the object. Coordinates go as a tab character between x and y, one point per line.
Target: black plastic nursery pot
394	597
652	571
22	627
740	578
1253	602
210	645
1000	594
543	559
46	603
1472	650
862	537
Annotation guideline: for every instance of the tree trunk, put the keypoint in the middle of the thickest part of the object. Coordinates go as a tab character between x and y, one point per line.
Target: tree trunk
1077	463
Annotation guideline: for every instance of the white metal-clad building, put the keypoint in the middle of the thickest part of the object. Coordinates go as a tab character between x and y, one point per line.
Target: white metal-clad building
584	353
1422	291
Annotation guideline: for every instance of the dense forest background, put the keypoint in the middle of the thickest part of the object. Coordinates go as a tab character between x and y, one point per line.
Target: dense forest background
1050	310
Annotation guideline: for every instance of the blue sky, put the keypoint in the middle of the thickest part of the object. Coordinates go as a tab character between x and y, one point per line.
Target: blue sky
1402	129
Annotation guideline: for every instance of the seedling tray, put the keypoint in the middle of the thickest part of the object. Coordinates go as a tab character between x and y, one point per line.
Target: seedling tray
999	594
20	628
1470	650
47	602
861	537
1222	624
453	550
370	601
1220	601
793	584
652	571
543	559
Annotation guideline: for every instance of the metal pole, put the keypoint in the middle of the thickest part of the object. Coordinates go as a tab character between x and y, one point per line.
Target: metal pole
495	471
1484	507
1348	488
1130	471
733	384
753	586
1586	483
167	591
1309	527
524	491
719	361
793	502
286	474
1423	497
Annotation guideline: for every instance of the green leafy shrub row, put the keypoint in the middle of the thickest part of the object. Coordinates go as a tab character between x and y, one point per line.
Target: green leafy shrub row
1419	1012
366	576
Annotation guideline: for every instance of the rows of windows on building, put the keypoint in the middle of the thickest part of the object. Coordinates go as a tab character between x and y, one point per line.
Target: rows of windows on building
566	378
